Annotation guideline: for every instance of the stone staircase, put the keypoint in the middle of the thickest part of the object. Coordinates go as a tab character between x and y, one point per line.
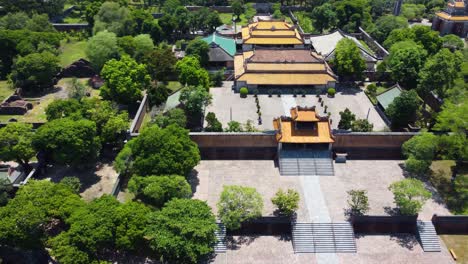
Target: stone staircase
306	163
428	237
220	246
323	238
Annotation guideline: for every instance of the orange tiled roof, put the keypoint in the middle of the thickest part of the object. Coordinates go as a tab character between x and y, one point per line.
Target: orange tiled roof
304	115
286	132
271	33
446	16
285	67
286	78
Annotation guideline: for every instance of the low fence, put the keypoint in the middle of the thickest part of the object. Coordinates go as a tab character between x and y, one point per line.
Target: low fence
454	224
70	27
366	224
219	9
264	226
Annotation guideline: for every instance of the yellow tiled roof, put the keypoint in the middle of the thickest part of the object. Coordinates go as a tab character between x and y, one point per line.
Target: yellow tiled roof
286	78
271	33
304	115
286	67
286	33
270	24
289	134
451	18
273	41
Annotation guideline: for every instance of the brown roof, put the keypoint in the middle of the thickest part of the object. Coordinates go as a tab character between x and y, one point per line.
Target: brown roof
304	114
287	133
282	55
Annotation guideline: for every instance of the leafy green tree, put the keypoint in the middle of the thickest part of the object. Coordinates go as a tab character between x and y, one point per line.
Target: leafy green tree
157	190
452	42
24	220
361	125
174	116
36	70
440	71
39	23
101	48
195	100
427	38
183	231
191	73
413	11
125	79
5	188
405	60
143	45
113	18
64	108
422	146
157	94
68	141
286	202
213	124
73	182
198	48
234	126
346	119
237	8
358	202
14	21
398	35
324	17
213	21
159	151
238	204
77	90
409	195
386	24
126	45
161	63
352	14
403	109
114	131
348	61
52	7
16	144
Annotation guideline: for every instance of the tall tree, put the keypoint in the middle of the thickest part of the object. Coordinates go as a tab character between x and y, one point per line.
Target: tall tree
386	24
348	61
324	17
157	190
195	100
143	45
409	195
403	109
405	60
50	7
346	119
114	18
198	48
101	48
161	63
16	144
124	80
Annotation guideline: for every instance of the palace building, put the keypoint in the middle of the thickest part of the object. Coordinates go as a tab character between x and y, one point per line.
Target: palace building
452	20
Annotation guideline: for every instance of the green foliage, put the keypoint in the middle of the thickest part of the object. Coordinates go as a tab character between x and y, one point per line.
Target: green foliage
403	109
352	14
413	11
217	78
125	79
331	92
183	231
237	8
16	144
386	24
159	151
358	202
113	18
409	195
440	71
324	17
35	71
14	21
23	221
234	126
195	100
286	202
452	42
346	119
249	126
361	125
52	8
405	60
421	35
5	188
243	92
157	190
77	89
143	45
114	131
199	49
73	183
191	73
161	63
372	88
417	167
174	116
213	124
422	146
68	141
348	61
157	94
101	48
126	45
64	108
238	204
39	23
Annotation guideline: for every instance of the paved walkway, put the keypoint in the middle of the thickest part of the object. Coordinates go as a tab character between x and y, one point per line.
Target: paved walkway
313	196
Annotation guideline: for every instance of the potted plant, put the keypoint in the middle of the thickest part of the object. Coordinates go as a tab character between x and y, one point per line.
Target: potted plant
270	92
243	92
331	92
326	108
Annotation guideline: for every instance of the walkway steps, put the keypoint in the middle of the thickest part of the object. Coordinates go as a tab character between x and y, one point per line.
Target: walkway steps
220	246
428	236
323	238
306	163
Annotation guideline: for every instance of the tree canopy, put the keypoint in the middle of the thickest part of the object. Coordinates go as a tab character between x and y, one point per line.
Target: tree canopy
409	195
386	24
324	17
16	144
161	63
348	61
158	151
403	109
405	60
51	8
113	18
198	48
101	48
195	99
191	73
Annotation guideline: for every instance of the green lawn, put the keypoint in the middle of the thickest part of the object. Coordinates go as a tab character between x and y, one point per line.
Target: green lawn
226	18
174	86
5	90
459	244
71	52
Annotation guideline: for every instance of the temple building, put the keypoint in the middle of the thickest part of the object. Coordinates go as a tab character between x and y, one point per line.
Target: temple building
279	68
271	33
453	19
221	53
304	143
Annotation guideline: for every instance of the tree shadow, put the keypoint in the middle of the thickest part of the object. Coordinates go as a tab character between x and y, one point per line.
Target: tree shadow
407	241
87	176
193	180
234	243
392	211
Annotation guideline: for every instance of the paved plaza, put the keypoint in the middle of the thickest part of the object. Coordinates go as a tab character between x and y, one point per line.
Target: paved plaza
322	199
227	105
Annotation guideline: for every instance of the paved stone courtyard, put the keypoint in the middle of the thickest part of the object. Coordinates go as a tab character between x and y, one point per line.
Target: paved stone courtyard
228	106
321	198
